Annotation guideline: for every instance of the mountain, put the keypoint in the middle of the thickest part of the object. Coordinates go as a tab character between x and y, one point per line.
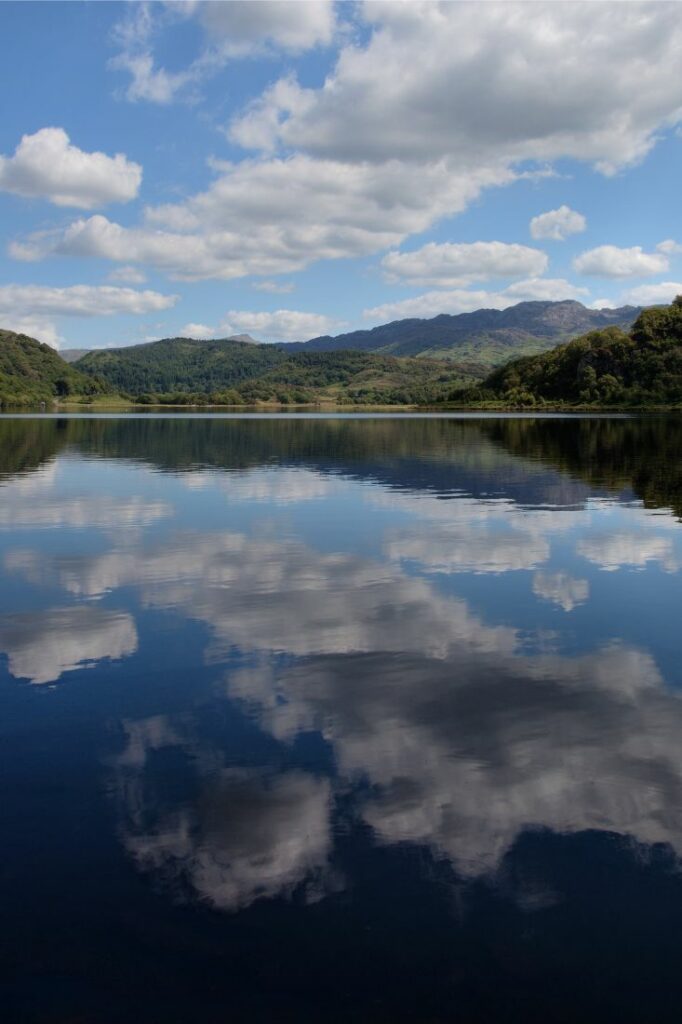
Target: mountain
70	355
484	338
608	367
242	372
31	372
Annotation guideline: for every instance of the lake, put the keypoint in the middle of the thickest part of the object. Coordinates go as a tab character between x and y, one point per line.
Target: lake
340	719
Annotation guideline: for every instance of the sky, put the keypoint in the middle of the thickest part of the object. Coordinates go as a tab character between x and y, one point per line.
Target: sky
291	168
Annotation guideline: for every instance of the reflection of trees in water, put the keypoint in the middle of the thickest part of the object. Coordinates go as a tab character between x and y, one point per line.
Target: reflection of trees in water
643	454
531	460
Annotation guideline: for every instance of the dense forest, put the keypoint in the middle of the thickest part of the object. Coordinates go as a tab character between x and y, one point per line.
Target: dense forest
607	368
228	372
31	372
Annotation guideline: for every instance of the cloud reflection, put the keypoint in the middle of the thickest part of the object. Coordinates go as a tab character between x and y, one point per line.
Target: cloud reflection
463	755
41	646
248	835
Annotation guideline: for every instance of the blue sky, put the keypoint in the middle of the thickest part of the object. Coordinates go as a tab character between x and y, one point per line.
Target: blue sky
294	168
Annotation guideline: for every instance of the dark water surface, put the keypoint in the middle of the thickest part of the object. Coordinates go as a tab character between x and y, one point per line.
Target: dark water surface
340	720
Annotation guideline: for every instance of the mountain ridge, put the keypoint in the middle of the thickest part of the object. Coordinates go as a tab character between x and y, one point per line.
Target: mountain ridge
484	336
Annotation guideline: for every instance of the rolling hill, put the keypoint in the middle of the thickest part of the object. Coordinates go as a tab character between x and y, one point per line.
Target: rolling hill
603	368
484	338
230	371
31	372
180	364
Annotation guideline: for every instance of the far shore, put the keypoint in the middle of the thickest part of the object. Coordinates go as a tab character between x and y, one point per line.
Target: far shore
124	405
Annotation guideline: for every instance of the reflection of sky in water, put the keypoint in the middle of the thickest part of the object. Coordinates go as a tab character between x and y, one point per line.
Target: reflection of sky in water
288	651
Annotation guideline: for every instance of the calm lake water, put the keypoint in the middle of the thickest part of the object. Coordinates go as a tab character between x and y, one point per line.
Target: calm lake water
340	720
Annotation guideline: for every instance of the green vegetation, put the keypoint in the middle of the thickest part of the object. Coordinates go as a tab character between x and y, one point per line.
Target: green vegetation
603	369
179	365
31	373
180	371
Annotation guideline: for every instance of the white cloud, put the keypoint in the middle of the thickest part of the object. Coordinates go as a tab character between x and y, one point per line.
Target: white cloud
541	103
238	29
201	331
461	300
45	165
274	287
611	261
557	224
39	327
669	247
127	275
243	27
389	146
274	217
282	325
454	265
544	289
156	85
653	294
79	300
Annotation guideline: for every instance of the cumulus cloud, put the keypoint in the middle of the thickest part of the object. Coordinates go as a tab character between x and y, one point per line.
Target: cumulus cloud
29	309
274	217
243	27
47	166
557	224
462	300
39	327
79	300
540	104
653	294
147	82
454	265
280	325
670	247
41	646
388	146
612	261
232	30
201	331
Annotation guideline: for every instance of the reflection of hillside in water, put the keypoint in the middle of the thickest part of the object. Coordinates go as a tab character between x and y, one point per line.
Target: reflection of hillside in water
532	461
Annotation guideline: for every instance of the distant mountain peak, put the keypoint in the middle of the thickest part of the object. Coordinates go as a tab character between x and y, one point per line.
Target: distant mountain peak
243	337
485	337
